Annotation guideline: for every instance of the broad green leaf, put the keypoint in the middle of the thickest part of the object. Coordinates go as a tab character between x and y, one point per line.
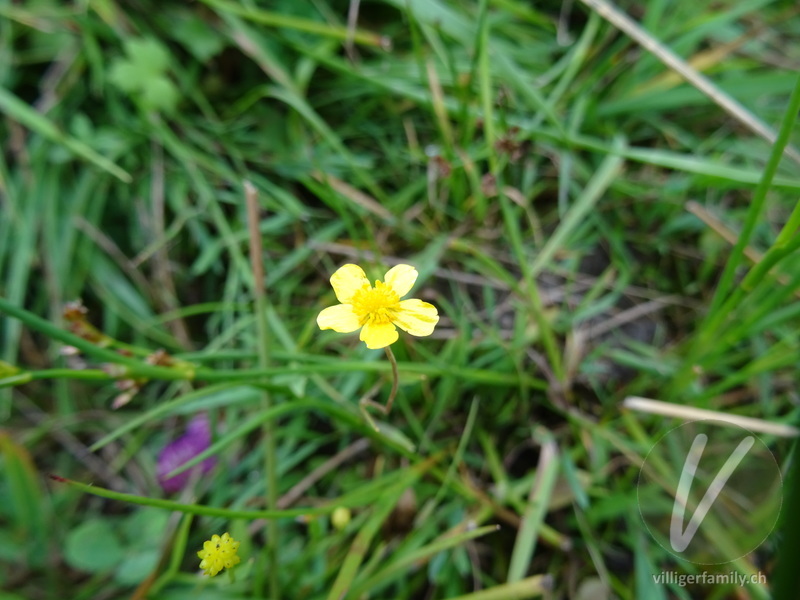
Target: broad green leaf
93	546
148	55
126	76
145	528
198	37
159	93
137	566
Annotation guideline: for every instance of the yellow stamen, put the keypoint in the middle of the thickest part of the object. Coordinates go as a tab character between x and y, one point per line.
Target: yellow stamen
375	304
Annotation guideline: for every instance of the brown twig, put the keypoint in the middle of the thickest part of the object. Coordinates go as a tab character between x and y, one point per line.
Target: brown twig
270	444
166	292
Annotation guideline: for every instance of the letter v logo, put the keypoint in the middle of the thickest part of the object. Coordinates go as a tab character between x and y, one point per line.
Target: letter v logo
678	539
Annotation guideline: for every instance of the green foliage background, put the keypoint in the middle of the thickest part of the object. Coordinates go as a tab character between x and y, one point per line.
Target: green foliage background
565	197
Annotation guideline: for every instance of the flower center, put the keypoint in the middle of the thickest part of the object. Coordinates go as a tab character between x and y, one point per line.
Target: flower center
375	304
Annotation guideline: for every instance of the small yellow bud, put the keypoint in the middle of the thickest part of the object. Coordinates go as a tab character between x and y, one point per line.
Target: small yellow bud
340	517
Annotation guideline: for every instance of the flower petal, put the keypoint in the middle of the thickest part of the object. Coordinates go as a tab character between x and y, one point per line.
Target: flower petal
378	335
347	280
340	318
401	278
196	439
416	317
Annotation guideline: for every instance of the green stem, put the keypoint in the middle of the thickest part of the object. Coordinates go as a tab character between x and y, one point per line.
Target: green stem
87	374
364	403
176	556
270	446
197	509
395	379
18	379
248	375
473	375
133	367
316	365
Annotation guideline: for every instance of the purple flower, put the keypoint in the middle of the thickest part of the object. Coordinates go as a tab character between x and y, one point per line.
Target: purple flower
196	439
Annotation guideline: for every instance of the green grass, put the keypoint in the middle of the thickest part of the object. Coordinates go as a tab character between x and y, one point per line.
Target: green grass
566	202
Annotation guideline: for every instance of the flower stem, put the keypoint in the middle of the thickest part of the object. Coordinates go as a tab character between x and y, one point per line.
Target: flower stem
395	379
270	447
365	402
200	509
310	367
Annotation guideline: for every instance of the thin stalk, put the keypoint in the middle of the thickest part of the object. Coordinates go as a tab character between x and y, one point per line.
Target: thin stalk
130	367
176	556
365	402
395	379
197	509
270	447
126	367
247	375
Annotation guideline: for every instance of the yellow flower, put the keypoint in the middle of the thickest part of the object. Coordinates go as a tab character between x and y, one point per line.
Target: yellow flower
218	553
376	310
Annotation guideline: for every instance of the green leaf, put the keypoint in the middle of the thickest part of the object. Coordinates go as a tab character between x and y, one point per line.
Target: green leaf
93	546
25	497
148	55
144	529
18	110
143	74
137	566
198	38
126	76
159	93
